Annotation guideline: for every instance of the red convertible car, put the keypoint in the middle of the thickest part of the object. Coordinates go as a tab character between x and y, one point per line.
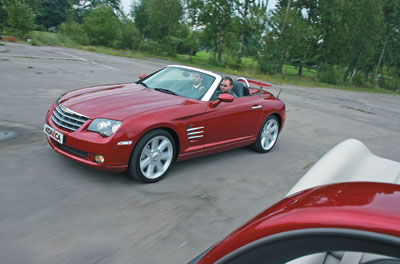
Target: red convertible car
328	217
144	127
343	223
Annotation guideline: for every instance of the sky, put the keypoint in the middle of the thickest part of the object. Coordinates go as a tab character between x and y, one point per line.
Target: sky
126	4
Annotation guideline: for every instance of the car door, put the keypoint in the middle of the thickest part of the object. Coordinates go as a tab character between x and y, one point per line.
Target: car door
233	122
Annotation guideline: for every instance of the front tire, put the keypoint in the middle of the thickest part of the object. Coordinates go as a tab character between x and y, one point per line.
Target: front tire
152	157
267	136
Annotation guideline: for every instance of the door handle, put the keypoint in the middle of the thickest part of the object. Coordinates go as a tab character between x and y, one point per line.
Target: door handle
256	107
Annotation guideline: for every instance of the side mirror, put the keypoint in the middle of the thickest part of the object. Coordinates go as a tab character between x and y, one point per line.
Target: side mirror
142	76
227	98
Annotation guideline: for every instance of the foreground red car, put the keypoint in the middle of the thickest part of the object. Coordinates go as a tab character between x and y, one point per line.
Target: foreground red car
344	210
144	127
350	223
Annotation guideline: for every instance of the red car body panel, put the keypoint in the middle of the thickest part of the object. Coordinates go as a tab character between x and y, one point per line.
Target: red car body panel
118	101
227	125
361	206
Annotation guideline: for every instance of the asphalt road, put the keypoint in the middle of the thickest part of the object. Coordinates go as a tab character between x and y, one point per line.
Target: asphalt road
53	210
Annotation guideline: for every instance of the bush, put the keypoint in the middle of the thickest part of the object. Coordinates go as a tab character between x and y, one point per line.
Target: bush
52	39
151	46
102	26
232	62
389	79
268	64
268	56
184	46
182	40
34	42
359	79
212	60
20	18
128	37
329	74
156	48
75	31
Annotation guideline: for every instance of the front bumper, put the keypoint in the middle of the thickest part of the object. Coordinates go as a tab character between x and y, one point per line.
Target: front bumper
82	145
87	160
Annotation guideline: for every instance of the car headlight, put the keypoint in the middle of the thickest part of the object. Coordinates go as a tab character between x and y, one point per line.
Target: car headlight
105	127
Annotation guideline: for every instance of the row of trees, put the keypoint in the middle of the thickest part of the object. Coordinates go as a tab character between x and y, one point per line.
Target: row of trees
355	41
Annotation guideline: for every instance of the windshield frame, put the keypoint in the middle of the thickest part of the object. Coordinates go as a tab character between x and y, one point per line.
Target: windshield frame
207	95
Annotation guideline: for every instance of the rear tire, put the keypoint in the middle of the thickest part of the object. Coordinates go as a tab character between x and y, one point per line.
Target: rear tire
267	136
152	157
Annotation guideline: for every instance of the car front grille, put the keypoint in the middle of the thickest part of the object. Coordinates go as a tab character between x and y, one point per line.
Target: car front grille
67	119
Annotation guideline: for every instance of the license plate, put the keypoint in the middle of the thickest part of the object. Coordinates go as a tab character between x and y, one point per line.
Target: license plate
54	134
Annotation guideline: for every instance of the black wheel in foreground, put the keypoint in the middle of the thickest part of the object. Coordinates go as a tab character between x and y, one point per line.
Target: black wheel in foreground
152	157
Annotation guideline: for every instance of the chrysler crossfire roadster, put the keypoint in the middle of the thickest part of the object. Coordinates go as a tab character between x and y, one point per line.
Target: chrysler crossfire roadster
146	126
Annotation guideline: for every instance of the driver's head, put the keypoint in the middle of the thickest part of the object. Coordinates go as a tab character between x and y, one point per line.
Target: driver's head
226	85
196	78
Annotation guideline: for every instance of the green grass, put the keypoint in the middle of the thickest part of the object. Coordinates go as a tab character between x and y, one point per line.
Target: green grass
249	63
114	52
38	38
204	60
292	70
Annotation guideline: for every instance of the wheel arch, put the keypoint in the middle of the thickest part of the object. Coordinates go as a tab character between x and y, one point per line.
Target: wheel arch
278	116
175	137
275	114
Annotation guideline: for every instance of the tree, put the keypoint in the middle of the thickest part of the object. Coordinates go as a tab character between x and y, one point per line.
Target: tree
140	17
129	36
183	39
351	33
157	18
305	34
391	38
20	16
252	17
192	11
163	15
75	31
52	12
216	16
276	32
83	7
283	25
101	26
387	69
90	4
3	16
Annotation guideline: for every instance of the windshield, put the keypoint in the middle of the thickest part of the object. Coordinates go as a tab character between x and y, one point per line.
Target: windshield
180	81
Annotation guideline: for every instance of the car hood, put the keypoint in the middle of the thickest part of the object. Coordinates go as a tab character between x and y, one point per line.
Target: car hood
118	101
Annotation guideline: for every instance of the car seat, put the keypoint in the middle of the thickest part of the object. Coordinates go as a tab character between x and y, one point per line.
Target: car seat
239	89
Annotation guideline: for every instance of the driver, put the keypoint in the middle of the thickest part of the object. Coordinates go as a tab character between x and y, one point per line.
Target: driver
227	85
